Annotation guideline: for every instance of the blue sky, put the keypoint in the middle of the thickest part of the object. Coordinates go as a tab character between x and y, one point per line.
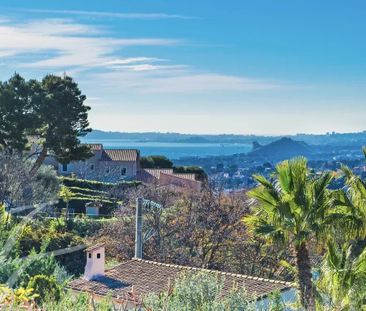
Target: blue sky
199	66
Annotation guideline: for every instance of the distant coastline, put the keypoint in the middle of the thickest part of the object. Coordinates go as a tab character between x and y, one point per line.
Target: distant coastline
335	139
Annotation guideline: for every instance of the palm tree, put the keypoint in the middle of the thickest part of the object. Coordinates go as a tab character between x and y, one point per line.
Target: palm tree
292	209
353	200
342	280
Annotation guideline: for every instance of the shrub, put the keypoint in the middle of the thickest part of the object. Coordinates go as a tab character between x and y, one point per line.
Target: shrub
45	287
156	162
199	292
73	262
95	185
17	297
35	264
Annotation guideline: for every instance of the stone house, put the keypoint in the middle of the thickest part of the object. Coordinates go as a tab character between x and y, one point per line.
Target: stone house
107	165
114	165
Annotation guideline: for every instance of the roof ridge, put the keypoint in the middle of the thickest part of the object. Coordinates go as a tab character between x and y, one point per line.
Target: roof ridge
244	276
158	169
134	149
177	175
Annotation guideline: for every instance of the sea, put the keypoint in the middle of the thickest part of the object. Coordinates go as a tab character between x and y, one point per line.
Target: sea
175	151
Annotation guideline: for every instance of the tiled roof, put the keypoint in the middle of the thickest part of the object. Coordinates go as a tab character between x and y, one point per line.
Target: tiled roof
149	174
143	277
120	155
185	176
156	172
92	248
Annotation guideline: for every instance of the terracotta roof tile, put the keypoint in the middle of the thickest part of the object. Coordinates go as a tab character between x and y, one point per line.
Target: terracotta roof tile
144	277
149	174
120	155
185	176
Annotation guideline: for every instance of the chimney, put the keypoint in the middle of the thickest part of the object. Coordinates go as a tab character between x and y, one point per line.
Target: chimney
138	233
95	260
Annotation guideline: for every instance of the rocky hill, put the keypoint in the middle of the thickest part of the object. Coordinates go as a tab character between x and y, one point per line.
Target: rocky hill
283	148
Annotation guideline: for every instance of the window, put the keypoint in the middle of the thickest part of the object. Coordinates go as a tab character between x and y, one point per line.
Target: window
98	256
64	167
92	167
89	255
107	170
123	171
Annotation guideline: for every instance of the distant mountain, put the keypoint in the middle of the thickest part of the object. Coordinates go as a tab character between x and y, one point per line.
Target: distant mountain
333	139
98	135
256	145
283	148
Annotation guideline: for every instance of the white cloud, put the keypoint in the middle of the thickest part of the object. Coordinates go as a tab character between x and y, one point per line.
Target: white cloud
131	60
114	14
165	79
62	44
206	82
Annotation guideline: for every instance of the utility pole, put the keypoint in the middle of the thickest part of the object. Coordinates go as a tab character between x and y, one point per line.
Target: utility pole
138	232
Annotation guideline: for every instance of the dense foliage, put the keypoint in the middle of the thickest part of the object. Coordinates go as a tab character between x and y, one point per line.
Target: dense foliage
76	192
297	209
199	292
50	113
156	162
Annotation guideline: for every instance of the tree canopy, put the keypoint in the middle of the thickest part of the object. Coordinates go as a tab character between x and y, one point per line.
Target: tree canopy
49	114
16	113
157	161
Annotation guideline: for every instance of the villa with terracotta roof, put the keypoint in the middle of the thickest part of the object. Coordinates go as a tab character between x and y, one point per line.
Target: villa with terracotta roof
113	165
109	165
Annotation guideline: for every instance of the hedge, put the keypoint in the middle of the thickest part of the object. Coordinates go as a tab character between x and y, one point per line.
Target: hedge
96	185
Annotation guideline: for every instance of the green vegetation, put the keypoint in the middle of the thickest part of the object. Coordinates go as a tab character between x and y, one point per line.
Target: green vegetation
199	292
297	220
342	279
292	210
45	287
155	162
297	209
75	193
50	113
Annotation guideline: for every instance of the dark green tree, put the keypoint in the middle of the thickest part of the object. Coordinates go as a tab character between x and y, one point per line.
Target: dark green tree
157	161
61	118
16	113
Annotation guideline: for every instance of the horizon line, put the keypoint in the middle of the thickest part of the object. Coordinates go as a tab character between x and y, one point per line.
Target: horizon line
230	134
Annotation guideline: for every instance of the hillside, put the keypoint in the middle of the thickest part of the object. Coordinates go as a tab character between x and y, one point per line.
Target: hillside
281	149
